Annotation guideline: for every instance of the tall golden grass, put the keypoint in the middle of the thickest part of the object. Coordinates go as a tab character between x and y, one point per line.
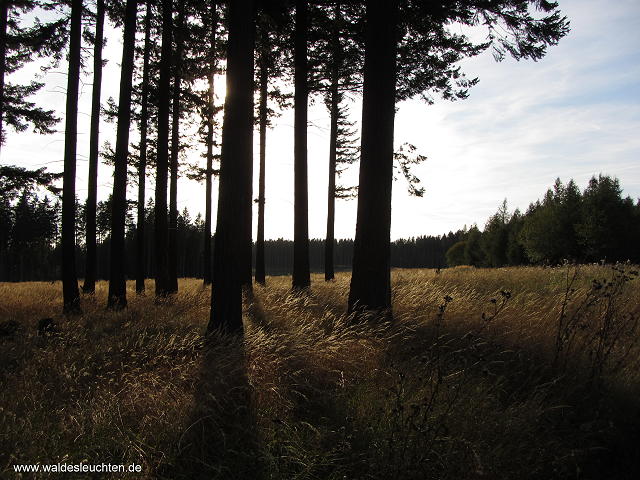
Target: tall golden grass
472	379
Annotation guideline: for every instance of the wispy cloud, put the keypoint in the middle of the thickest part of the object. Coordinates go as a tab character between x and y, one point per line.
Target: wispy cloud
573	114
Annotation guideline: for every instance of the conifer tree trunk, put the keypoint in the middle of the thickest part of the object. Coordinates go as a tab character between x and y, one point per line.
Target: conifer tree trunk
209	184
94	142
142	166
4	13
370	281
331	192
301	274
160	229
70	291
234	198
262	113
175	151
117	298
329	273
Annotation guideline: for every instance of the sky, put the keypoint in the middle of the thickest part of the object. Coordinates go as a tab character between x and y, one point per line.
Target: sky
573	114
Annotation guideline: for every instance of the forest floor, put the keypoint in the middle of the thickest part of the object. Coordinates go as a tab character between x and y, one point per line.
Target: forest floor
483	373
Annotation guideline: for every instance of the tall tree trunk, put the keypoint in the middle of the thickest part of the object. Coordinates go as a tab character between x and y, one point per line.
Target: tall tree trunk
301	275
329	273
264	84
371	278
117	273
331	192
94	142
4	13
175	152
142	166
210	117
235	174
70	291
160	229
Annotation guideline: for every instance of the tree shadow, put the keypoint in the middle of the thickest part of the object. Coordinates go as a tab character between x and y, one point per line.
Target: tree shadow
220	440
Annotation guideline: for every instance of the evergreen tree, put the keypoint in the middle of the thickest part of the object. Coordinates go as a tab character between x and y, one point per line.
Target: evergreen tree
301	276
343	69
272	45
19	45
92	192
371	277
209	113
142	164
179	32
607	230
549	230
70	291
117	297
422	27
233	231
162	159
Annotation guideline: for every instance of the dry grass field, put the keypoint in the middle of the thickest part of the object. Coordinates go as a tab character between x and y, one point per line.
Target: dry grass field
484	373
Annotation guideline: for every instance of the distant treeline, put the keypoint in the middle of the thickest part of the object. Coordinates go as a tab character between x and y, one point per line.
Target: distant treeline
567	224
30	244
597	224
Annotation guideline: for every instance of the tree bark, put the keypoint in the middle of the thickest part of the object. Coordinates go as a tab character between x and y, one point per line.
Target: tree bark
264	80
371	278
94	143
175	152
4	13
160	231
234	196
210	117
117	298
329	273
301	274
331	192
70	291
142	166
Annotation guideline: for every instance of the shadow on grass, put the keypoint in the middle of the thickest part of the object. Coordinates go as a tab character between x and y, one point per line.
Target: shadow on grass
220	440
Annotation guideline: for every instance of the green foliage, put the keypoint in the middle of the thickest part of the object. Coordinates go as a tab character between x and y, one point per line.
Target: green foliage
456	254
596	225
495	237
473	248
549	233
608	228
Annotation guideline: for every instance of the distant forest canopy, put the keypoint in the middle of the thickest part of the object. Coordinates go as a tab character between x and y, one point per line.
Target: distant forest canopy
591	225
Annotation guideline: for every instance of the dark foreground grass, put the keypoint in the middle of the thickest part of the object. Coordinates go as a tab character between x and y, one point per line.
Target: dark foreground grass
505	373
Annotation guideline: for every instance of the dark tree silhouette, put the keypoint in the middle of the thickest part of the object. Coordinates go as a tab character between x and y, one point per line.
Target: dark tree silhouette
20	43
70	291
142	165
301	275
4	12
234	198
94	142
14	180
343	74
262	120
162	160
117	274
210	111
272	60
428	52
178	31
371	281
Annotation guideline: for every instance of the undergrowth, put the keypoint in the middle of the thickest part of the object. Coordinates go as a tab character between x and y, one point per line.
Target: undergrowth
501	373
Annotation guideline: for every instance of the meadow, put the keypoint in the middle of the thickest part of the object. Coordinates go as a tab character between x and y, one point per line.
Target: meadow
524	372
